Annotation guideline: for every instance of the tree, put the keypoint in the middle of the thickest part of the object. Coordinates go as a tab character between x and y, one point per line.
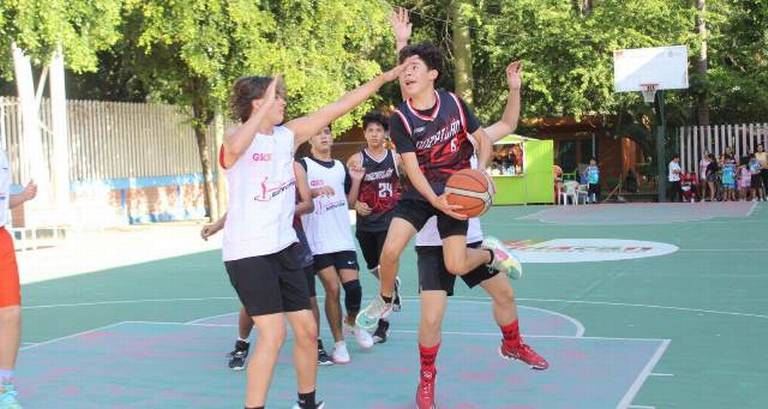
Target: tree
55	33
194	50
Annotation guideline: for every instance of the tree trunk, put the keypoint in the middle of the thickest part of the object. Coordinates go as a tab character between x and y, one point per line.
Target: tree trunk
221	183
202	118
33	161
702	104
462	48
584	7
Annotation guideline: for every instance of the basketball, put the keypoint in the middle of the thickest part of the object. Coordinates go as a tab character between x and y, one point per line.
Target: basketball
469	188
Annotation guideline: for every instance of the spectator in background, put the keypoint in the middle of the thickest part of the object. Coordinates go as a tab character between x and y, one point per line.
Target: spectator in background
762	158
745	178
712	170
756	182
593	179
630	181
703	163
674	179
729	178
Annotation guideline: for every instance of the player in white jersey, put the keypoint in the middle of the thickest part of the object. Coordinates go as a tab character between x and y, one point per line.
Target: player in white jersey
259	249
10	289
330	237
304	204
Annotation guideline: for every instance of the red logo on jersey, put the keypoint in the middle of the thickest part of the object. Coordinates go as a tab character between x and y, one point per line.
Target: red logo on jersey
262	157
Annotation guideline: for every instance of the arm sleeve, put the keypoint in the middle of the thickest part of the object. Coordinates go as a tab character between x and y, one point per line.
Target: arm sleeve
472	122
399	135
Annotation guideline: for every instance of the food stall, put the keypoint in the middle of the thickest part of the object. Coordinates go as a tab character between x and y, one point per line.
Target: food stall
521	168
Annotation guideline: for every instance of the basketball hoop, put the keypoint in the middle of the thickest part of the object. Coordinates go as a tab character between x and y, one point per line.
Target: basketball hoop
649	92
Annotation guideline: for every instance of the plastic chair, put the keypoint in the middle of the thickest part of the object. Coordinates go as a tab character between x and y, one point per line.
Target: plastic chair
570	189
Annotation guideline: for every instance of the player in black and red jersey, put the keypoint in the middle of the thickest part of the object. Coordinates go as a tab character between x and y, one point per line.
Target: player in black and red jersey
437	135
379	192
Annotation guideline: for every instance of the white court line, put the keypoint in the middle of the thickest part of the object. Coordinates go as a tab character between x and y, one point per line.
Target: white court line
118	302
641	407
622	304
661	374
212	317
724	250
752	209
576	323
456	297
75	335
642	376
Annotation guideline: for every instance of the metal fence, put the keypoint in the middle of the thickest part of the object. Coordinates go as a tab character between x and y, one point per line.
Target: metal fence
694	140
111	140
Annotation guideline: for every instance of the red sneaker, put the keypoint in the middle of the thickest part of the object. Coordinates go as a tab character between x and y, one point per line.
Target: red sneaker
425	393
525	354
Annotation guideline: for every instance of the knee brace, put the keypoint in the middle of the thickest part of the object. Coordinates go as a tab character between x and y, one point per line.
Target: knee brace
353	295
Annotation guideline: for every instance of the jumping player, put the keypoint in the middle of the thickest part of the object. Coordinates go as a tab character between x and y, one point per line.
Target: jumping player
10	289
379	193
435	133
437	284
238	356
335	189
258	247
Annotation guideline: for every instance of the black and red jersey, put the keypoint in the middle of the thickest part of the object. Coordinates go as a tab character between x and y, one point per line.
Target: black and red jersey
439	136
380	190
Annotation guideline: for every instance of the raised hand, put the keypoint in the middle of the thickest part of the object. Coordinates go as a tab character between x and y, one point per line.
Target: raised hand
401	25
514	73
394	73
269	96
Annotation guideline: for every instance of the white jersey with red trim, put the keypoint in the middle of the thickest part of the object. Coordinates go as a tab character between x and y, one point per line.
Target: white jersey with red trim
262	198
328	228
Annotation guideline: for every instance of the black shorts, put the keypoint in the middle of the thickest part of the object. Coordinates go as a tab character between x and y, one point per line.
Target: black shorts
371	243
756	181
417	212
594	189
270	284
309	272
433	276
342	260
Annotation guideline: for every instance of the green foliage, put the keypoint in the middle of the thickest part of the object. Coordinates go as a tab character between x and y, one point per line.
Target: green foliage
197	49
81	27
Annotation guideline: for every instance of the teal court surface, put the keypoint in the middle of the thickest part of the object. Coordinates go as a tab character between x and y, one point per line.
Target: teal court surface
635	306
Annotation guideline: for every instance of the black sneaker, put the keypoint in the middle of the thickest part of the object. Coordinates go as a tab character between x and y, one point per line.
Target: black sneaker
381	333
323	359
238	356
396	296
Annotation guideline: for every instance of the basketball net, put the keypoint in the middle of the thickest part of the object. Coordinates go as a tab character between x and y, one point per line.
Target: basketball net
649	92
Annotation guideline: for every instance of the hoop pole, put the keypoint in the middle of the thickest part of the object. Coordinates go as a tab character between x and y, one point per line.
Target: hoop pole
661	149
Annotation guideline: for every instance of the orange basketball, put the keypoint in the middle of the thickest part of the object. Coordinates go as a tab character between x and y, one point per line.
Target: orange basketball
469	188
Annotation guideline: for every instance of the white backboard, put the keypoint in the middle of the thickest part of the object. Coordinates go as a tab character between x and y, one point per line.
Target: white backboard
666	66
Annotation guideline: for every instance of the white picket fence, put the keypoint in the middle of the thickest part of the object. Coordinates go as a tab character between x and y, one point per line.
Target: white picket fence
694	140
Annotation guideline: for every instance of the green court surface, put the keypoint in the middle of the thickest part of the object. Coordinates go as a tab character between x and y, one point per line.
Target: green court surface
675	317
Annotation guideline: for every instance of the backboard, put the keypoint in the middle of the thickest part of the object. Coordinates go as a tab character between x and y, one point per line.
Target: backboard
665	66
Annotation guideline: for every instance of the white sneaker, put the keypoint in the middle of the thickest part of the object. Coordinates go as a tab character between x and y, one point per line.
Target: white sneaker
369	316
340	354
503	259
363	338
